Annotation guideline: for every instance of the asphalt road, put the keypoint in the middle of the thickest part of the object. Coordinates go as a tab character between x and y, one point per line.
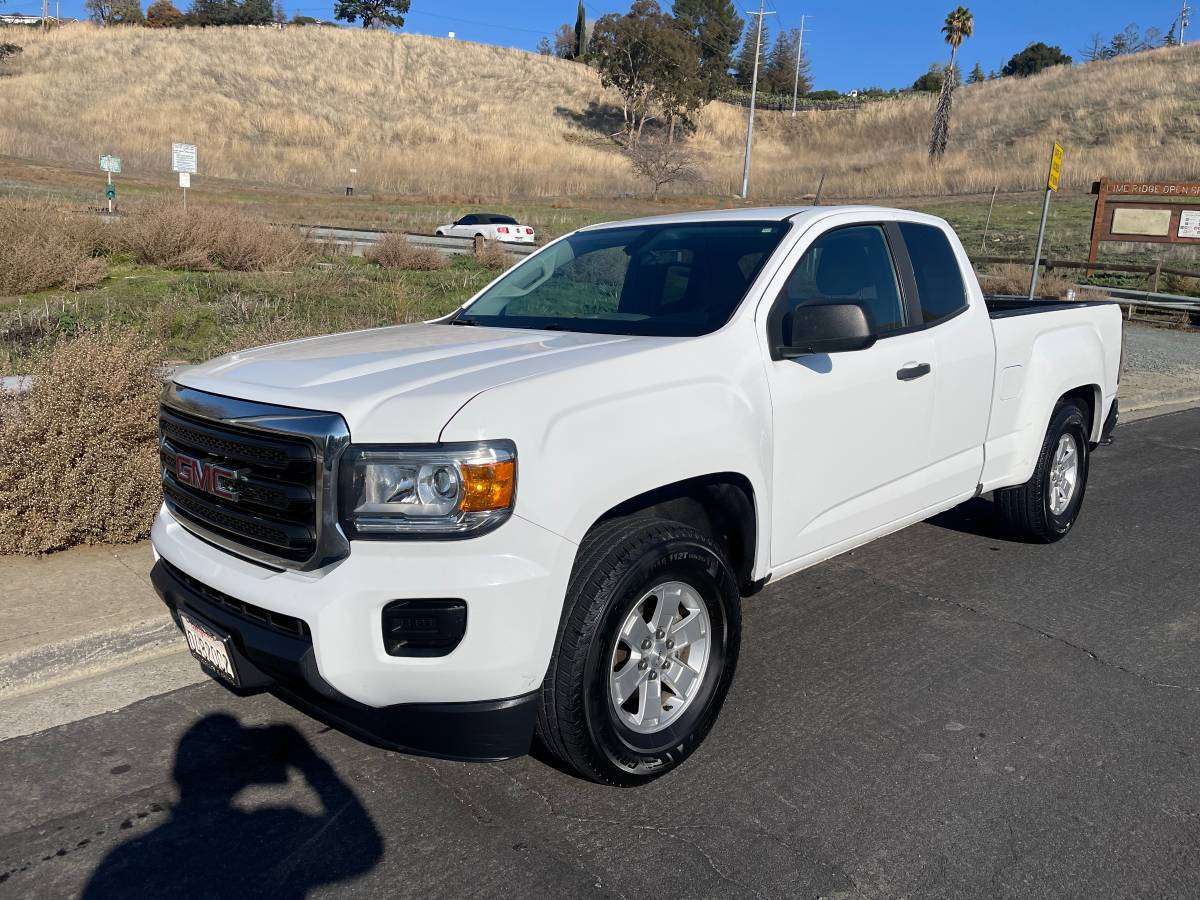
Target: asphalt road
942	713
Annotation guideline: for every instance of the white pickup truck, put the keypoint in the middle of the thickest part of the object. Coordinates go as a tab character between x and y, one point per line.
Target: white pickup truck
540	513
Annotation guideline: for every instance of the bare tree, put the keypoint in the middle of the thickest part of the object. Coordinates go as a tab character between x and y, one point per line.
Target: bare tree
1097	48
660	161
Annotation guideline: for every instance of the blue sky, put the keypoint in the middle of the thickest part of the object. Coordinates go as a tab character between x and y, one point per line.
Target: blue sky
851	45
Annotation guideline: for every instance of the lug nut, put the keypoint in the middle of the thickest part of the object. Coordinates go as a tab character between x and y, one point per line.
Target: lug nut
670	645
666	664
653	674
660	634
646	644
644	664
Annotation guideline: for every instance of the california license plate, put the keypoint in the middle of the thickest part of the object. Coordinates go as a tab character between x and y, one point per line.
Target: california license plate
210	648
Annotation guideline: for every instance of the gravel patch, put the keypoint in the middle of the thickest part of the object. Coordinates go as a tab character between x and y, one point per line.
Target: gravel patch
1161	351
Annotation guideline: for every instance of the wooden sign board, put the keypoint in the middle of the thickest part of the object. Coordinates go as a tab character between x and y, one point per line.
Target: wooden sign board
1151	219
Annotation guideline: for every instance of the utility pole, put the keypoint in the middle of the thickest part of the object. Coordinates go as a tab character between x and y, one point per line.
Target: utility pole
1183	21
799	56
753	95
45	15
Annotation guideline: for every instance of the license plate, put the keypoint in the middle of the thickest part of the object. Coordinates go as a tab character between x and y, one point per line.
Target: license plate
211	649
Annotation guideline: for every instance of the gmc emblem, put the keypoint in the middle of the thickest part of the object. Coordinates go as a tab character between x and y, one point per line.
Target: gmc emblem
211	478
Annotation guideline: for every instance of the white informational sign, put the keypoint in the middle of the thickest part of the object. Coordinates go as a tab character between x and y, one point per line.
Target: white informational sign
183	158
110	164
1150	222
185	179
1189	224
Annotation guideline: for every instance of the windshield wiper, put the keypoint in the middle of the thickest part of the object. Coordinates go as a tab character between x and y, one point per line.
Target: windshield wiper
463	320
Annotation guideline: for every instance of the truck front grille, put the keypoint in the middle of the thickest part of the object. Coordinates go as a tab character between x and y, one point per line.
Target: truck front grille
274	500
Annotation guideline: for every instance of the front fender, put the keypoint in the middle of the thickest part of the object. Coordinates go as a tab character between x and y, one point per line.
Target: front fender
592	437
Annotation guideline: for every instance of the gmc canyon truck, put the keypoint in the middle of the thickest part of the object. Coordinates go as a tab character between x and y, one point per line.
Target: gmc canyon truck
540	513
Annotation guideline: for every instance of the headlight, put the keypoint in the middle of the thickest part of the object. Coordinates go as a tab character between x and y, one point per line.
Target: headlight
450	490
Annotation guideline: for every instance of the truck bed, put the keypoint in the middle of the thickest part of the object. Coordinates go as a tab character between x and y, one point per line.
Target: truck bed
1001	306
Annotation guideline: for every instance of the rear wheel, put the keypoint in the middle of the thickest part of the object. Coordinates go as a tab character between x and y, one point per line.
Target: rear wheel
1045	508
646	651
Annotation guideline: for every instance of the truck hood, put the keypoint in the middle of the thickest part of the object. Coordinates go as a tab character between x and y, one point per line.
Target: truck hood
401	384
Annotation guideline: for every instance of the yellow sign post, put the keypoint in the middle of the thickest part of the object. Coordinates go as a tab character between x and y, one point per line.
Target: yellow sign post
1052	179
1055	168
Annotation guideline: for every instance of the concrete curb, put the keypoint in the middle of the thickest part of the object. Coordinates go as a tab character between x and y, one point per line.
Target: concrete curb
1160	406
92	654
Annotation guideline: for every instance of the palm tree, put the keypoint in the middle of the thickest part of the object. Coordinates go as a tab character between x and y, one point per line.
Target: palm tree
959	26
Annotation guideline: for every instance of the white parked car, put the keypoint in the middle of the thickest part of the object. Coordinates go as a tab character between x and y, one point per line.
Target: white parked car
490	226
542	511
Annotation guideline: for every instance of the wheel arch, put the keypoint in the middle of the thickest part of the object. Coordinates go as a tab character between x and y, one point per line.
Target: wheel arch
1092	398
721	505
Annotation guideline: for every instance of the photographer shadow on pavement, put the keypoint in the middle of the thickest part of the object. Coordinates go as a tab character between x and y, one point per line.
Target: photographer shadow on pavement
211	847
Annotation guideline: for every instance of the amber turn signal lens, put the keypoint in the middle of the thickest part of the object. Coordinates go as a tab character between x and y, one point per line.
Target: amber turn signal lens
488	485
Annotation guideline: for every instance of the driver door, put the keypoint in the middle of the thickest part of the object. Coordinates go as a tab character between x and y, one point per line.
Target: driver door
851	429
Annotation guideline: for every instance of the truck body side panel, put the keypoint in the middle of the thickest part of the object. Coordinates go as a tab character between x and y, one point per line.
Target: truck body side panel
1040	358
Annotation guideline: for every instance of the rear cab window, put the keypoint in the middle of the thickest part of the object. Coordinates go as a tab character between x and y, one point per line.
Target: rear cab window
939	280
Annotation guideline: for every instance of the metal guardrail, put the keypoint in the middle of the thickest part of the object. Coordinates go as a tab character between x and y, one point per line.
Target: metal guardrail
357	239
1096	266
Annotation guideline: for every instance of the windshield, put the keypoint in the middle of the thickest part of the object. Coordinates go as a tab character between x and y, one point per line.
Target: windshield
673	280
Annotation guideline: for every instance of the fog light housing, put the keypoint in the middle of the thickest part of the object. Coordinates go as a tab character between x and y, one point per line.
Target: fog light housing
423	627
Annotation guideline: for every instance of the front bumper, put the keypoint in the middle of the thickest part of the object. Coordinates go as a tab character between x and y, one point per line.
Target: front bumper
267	657
513	581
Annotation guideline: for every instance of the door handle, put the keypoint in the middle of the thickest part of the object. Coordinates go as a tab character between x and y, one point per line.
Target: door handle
908	373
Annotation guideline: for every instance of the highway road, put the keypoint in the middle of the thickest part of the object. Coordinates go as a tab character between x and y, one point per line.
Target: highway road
357	240
942	713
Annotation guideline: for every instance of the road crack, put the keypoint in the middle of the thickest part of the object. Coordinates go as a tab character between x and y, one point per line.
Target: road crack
1034	629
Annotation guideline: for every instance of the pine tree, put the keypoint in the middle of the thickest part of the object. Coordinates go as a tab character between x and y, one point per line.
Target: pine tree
581	32
743	66
714	26
976	75
779	74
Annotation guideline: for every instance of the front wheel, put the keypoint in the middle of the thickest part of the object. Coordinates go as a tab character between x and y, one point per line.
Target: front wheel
1045	508
645	654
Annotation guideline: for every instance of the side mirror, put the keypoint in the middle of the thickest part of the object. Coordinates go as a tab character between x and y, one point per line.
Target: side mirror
830	328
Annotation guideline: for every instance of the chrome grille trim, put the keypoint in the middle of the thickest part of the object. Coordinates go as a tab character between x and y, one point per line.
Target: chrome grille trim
328	436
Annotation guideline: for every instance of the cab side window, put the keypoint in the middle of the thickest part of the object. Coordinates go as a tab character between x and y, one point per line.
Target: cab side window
849	265
935	267
468	220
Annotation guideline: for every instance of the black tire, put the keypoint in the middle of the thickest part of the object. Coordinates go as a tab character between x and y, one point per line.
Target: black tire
618	564
1025	510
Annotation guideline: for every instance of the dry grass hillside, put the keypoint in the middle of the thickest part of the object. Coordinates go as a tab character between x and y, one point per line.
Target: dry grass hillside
427	116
